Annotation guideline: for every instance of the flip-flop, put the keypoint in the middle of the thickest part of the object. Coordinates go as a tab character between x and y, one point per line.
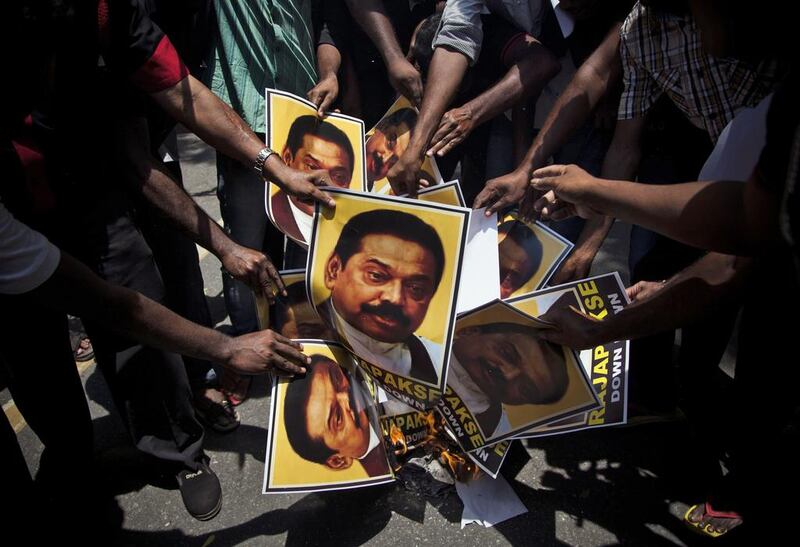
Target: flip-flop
702	526
84	352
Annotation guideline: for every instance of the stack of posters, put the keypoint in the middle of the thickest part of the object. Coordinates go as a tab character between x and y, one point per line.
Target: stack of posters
378	309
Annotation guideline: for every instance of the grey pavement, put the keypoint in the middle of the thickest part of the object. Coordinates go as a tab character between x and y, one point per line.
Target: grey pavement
611	486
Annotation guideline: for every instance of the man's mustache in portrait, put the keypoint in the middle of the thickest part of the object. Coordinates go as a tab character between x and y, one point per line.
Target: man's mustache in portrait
387	310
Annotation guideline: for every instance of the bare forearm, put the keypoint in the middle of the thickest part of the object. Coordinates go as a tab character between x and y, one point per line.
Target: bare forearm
328	61
709	215
195	106
174	204
593	80
524	79
688	297
444	76
371	17
75	289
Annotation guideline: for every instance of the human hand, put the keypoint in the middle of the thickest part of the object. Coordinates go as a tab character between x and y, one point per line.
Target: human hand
564	189
644	290
305	184
324	93
406	80
456	125
573	328
576	266
405	176
255	270
266	351
502	192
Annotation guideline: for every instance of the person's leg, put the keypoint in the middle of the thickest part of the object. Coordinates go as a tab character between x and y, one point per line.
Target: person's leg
150	387
178	262
35	347
241	198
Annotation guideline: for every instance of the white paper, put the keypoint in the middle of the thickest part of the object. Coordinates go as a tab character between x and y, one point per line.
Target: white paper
739	145
480	274
488	501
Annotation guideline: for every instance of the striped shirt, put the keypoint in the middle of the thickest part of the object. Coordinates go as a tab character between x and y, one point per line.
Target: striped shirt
261	44
663	53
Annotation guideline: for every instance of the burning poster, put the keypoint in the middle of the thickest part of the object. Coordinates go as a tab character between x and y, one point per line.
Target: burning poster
530	253
504	379
387	141
606	365
383	273
323	430
307	142
490	458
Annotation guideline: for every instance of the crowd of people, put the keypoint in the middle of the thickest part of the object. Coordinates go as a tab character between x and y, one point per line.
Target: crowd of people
576	115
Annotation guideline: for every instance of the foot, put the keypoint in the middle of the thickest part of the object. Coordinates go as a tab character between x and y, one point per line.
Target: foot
705	520
215	411
84	352
235	386
201	491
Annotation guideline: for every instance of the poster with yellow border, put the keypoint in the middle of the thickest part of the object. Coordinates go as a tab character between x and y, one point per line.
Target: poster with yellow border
292	315
324	432
606	365
387	141
384	272
448	193
530	253
307	142
504	379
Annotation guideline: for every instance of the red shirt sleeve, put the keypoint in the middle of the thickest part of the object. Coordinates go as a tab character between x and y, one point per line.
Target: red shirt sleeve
134	46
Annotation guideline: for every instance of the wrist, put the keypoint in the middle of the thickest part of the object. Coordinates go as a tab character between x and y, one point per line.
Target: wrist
274	169
224	349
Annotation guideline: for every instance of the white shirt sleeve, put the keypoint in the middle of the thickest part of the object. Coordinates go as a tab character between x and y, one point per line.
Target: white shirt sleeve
27	258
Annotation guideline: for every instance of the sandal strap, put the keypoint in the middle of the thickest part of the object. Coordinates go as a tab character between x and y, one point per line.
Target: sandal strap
710	511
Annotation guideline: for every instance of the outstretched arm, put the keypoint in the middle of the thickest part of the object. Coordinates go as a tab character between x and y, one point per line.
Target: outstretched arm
371	17
723	216
75	289
195	106
621	162
147	175
686	298
533	68
587	88
444	76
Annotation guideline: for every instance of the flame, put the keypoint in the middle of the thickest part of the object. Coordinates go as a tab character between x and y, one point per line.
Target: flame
462	468
430	420
398	440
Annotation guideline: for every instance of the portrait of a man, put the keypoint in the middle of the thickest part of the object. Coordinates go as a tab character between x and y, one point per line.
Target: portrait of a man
295	317
327	422
383	272
388	142
311	144
520	254
505	363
